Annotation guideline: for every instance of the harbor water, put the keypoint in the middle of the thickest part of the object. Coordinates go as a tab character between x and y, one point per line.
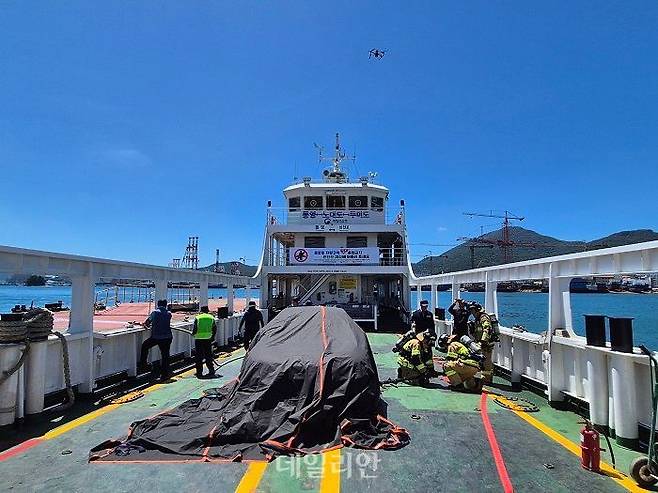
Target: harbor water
527	309
39	295
531	310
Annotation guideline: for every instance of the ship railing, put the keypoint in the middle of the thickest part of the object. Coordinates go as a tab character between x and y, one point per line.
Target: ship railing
115	295
612	383
45	358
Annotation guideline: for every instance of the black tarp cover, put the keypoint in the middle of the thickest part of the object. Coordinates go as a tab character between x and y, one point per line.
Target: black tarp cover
309	383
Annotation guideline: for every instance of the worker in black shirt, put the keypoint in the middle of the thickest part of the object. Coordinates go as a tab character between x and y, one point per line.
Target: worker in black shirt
159	322
423	320
460	313
252	321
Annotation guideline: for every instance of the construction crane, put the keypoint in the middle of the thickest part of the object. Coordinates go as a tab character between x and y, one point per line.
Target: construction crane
191	258
506	242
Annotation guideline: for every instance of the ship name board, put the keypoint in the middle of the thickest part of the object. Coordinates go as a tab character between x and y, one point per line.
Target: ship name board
334	256
337	217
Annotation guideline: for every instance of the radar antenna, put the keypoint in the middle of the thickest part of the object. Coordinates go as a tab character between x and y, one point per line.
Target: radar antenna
335	174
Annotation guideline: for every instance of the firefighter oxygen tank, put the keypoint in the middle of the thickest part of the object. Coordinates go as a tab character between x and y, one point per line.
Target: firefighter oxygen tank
590	450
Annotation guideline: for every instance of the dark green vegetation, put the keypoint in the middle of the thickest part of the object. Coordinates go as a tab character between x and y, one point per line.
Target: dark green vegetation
534	245
237	268
35	281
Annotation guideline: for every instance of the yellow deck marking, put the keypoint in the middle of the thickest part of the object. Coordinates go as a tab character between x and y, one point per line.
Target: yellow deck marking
330	482
252	477
574	448
60	430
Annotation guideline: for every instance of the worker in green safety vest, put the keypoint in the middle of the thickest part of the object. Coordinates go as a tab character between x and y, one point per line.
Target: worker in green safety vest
204	332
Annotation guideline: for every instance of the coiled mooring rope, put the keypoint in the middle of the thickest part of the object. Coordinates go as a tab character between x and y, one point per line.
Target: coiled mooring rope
37	325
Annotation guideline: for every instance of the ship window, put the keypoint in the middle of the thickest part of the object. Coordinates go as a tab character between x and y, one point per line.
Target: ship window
313	202
294	203
335	202
357	241
314	242
377	203
358	202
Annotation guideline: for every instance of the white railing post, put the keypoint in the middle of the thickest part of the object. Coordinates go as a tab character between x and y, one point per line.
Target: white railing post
82	321
203	293
455	290
491	296
558	292
230	297
160	290
433	298
247	295
557	288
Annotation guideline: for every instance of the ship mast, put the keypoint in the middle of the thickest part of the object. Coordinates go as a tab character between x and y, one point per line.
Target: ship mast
335	173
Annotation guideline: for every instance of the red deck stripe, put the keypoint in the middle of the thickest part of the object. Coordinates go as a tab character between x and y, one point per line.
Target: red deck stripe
495	449
21	447
207	449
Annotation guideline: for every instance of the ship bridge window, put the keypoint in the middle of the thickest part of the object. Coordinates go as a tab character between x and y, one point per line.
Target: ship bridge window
377	203
314	242
335	202
357	242
358	202
294	203
313	202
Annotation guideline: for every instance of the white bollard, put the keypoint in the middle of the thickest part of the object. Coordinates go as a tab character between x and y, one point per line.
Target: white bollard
35	381
9	356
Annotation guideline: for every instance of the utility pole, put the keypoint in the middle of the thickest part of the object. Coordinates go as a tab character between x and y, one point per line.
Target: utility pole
474	243
506	243
217	260
431	259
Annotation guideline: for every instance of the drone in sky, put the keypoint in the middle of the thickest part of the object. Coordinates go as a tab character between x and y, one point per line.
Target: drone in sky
377	54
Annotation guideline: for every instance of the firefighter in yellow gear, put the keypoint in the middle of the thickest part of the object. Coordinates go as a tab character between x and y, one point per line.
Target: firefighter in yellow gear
415	362
462	364
482	333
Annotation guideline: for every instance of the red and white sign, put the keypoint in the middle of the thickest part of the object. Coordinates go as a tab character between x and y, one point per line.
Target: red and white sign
334	256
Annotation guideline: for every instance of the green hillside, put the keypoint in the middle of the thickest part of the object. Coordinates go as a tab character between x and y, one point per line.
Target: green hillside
532	245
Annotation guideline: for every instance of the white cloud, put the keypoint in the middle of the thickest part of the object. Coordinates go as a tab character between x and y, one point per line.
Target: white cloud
441	229
127	157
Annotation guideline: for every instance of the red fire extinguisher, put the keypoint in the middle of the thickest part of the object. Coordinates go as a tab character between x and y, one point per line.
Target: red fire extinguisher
589	448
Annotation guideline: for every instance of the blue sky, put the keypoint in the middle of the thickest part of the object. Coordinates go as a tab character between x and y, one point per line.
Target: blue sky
126	127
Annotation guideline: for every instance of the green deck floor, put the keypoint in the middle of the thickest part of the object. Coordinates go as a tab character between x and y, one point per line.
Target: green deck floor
449	449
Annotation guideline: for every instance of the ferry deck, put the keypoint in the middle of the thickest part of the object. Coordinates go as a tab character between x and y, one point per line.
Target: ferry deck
336	243
459	442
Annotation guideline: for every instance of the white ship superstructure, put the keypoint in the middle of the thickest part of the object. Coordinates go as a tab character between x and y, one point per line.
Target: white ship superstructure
338	242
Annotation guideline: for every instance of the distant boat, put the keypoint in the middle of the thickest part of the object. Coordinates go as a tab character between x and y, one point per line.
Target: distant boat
580	285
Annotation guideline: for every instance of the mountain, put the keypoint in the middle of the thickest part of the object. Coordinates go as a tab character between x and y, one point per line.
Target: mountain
532	245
